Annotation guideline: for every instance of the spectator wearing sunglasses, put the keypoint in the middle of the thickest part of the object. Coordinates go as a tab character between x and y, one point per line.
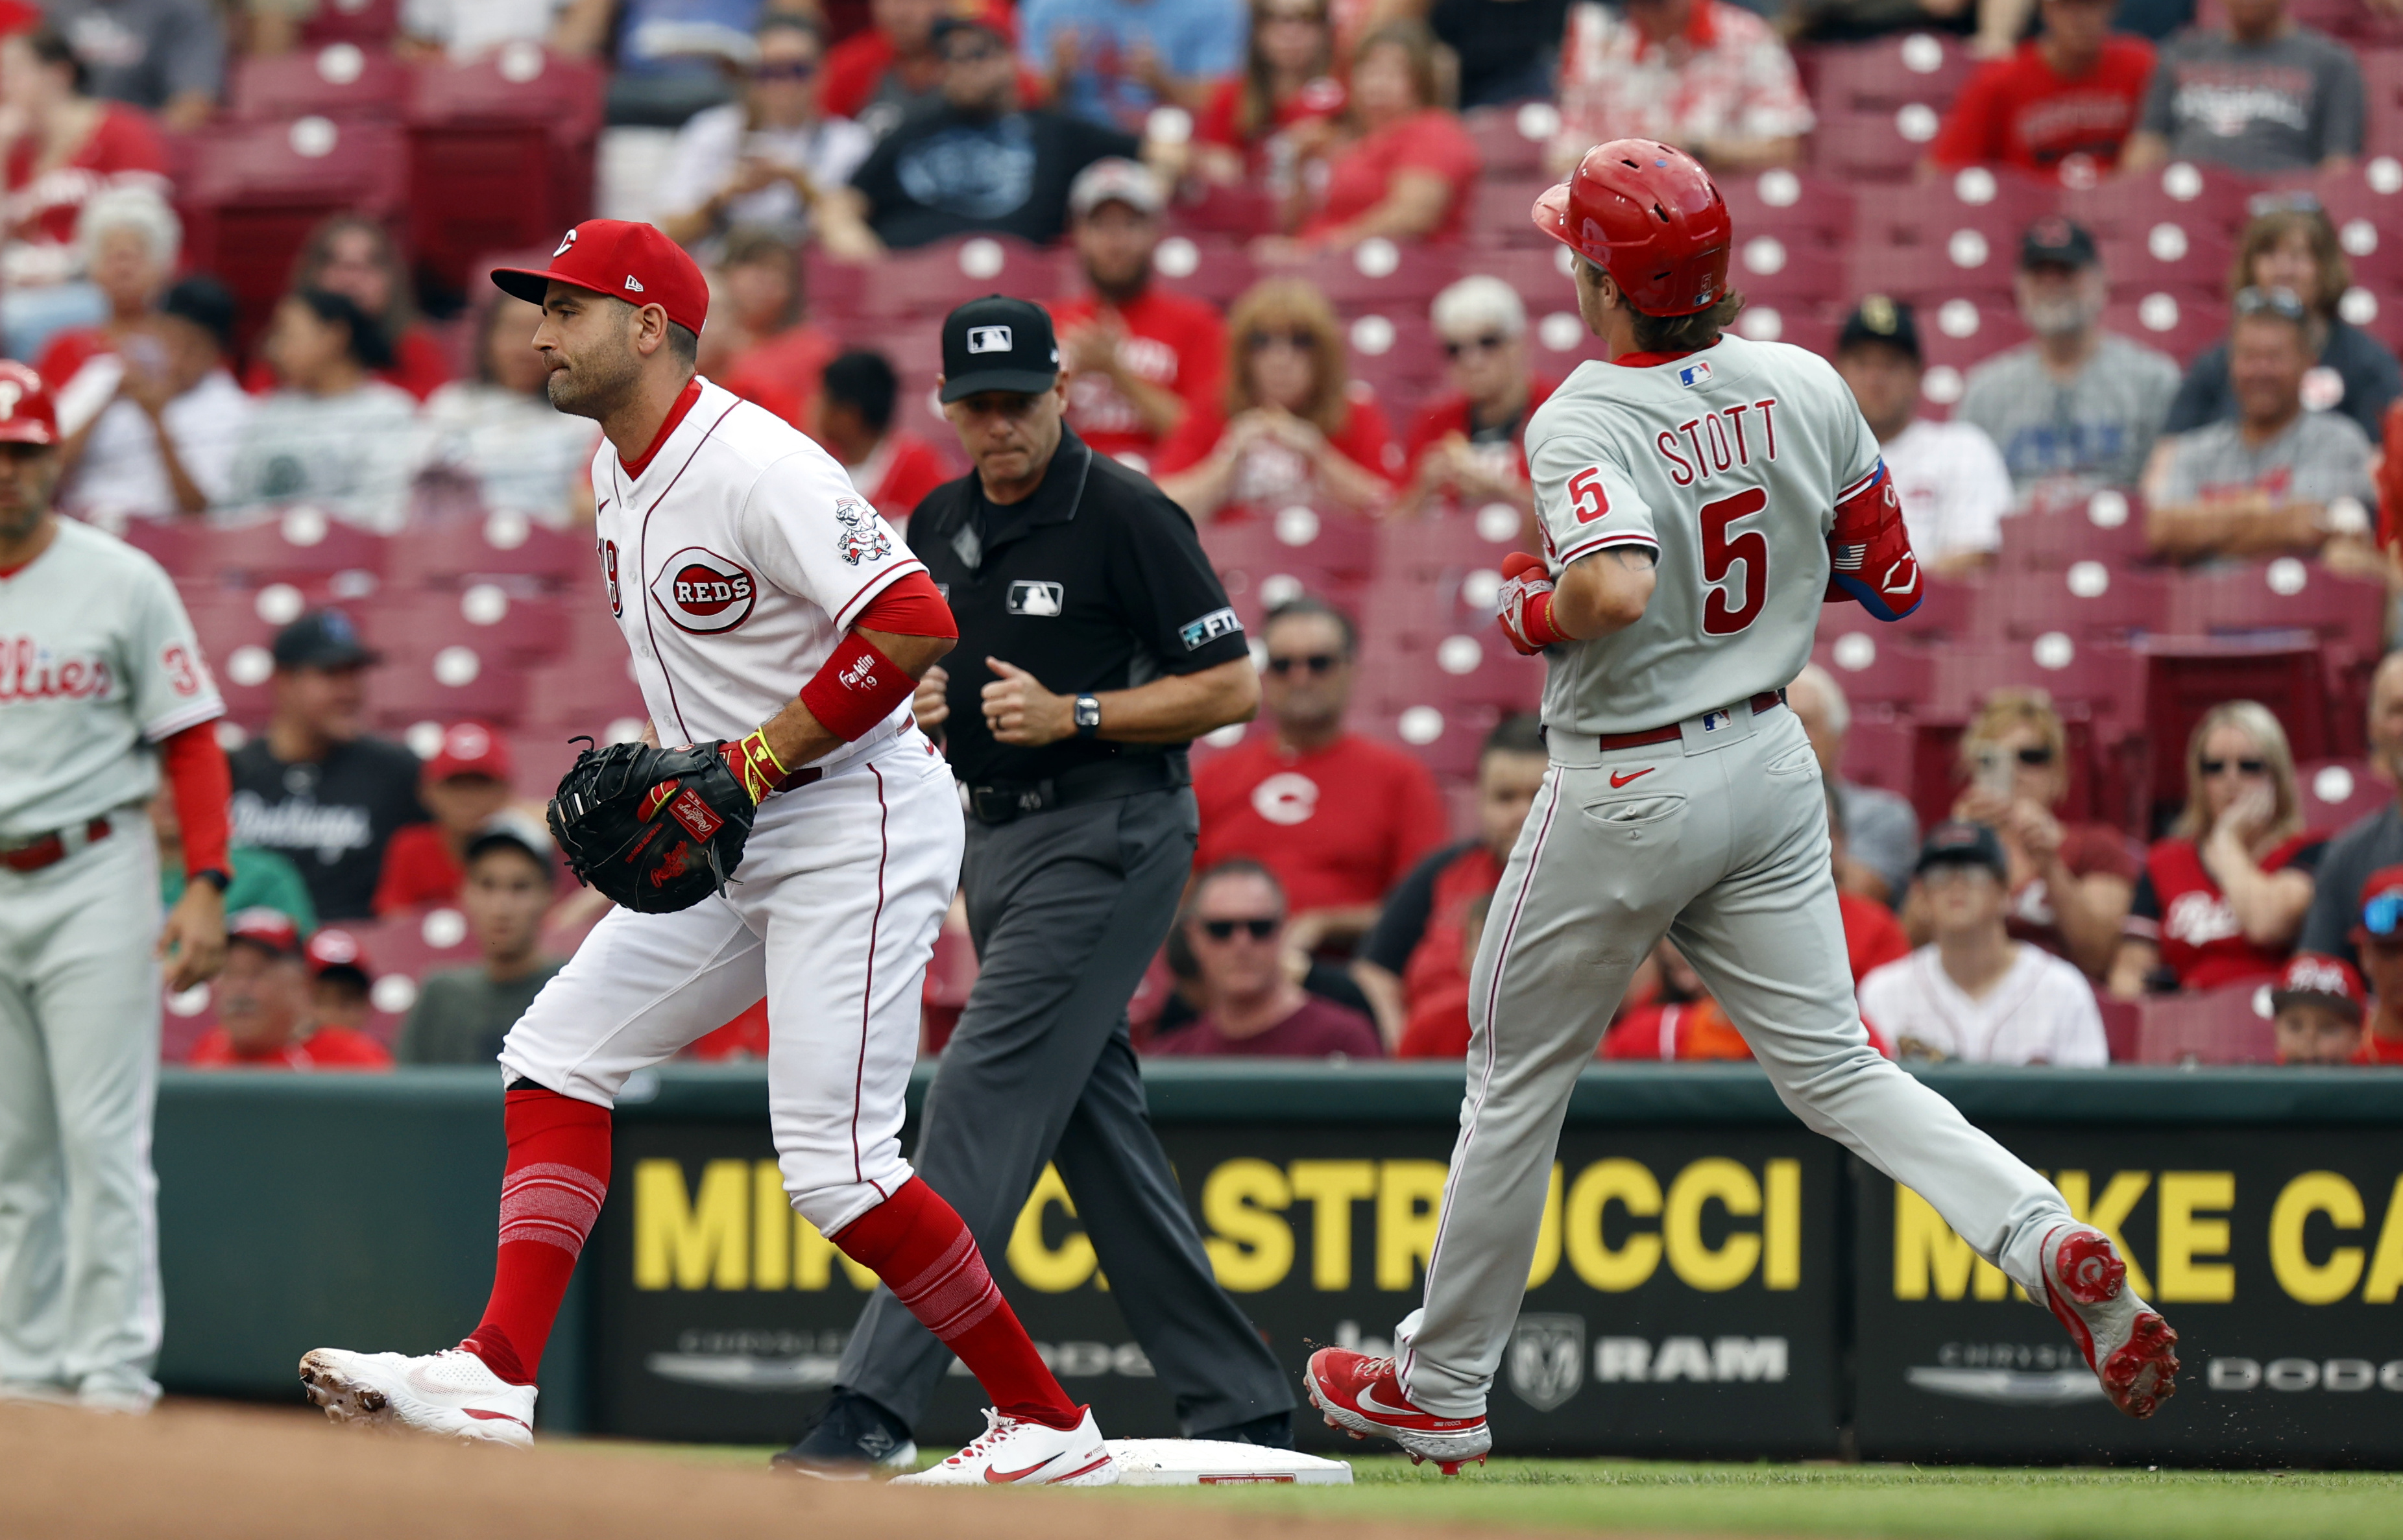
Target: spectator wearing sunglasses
2322	1012
2222	898
2277	478
766	160
2068	884
1252	1006
1340	819
1293	426
2378	935
2373	841
1470	443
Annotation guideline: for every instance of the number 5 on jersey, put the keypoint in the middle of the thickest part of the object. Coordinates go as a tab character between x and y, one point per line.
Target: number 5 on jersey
1587	498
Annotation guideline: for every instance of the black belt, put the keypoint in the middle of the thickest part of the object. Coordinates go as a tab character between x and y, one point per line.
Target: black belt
1004	802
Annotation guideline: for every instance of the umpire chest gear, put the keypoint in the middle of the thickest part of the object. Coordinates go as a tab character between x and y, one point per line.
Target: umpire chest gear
1095	582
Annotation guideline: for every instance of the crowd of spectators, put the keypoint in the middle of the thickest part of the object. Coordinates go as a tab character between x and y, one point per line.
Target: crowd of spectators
1336	912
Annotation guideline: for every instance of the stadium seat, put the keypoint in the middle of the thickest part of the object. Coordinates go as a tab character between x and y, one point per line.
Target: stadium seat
1455	541
1880	749
584	690
1781	202
2193	195
2088	601
415	944
1511	139
255	190
2184	678
1808	327
338	81
174	543
369	23
1214	209
1873	146
2109	680
523	629
502	543
2180	325
1501	212
1776	268
1999	204
298	542
1472	666
2285	595
2170	254
1326	537
933	280
1964	265
2122	1025
2107	527
1875	669
1446	739
1961	332
442	678
1211	268
1890	72
2336	794
2226	1026
501	153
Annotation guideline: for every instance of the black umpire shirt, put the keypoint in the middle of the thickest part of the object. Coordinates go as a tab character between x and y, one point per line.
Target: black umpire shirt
1096	582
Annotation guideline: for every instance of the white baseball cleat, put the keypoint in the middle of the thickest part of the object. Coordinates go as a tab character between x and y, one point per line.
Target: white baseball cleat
2129	1348
451	1394
1012	1452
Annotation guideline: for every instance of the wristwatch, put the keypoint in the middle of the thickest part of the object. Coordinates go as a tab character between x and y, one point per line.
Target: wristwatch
215	877
1089	717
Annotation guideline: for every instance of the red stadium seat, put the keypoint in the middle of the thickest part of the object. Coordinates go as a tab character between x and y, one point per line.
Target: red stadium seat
1880	750
2196	195
1960	333
1454	543
1447	738
2186	678
498	544
586	690
340	80
2291	596
1776	268
1892	72
1215	209
2338	794
1327	538
416	943
370	23
172	543
500	153
255	190
1964	265
2107	527
1212	268
934	279
2121	1027
1512	139
1781	202
444	678
519	628
2227	1026
1379	274
2001	204
2109	680
2180	325
2088	601
1500	211
2169	255
1399	355
1876	668
296	543
1873	147
1807	327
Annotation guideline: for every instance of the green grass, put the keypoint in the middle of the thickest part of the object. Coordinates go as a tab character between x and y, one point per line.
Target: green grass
1884	1502
1907	1503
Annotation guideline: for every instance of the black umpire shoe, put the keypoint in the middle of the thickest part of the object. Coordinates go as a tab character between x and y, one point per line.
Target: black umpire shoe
854	1438
1272	1431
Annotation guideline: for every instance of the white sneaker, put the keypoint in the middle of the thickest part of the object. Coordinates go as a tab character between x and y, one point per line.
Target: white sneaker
1015	1453
450	1393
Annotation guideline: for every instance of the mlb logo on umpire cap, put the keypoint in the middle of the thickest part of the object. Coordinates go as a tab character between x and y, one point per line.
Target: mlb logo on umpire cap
989	340
997	344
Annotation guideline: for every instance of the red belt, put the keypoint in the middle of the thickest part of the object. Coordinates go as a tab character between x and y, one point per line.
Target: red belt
50	849
1673	731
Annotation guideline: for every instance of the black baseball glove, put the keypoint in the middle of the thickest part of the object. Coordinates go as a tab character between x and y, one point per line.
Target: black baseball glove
657	830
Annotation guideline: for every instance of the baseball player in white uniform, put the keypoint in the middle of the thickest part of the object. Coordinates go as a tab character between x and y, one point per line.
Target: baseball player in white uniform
1697	496
102	683
773	616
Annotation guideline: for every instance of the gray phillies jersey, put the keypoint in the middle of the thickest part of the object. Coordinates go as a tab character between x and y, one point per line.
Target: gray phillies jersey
1728	464
97	662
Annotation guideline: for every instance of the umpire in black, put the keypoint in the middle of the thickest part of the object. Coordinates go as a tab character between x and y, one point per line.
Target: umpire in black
1095	643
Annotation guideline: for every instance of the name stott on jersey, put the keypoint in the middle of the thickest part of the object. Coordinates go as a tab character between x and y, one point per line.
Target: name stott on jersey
734	562
1730	464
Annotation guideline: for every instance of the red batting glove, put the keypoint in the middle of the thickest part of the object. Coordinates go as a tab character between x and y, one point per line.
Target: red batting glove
1524	605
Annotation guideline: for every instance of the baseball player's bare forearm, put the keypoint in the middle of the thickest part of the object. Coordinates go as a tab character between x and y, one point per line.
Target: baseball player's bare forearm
1604	592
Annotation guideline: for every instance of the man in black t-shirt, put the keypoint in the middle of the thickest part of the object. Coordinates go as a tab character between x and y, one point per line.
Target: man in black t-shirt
977	163
1095	644
315	787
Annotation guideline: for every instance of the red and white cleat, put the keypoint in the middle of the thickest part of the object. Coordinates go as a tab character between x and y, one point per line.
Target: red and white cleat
1361	1395
1012	1452
2130	1348
450	1393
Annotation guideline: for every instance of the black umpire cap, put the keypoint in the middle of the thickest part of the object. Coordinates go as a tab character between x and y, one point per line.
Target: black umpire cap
998	343
1888	322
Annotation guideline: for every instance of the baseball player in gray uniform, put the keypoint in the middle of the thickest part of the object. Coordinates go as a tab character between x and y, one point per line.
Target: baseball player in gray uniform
101	685
1700	497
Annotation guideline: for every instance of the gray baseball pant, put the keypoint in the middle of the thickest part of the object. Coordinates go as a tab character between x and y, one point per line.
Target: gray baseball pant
79	1300
1067	908
1719	841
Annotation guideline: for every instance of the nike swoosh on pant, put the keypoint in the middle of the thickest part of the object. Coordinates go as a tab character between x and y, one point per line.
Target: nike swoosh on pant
1617	780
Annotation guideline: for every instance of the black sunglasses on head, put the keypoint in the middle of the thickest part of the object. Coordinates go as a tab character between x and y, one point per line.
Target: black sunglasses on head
2243	767
1224	930
1314	663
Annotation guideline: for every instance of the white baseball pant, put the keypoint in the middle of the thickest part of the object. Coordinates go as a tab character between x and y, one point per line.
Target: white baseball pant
79	1301
1719	841
832	916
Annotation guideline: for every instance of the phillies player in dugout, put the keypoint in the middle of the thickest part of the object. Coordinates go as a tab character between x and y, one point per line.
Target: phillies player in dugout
1700	495
738	558
102	686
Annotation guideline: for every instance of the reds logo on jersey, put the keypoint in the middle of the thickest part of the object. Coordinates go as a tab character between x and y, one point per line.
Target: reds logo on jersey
703	592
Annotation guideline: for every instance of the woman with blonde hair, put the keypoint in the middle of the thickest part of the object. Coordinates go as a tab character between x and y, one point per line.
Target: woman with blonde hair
2223	897
1294	427
2070	883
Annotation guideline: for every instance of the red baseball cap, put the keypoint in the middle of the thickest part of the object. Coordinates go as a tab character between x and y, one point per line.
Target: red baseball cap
263	927
624	259
469	748
2318	981
333	947
27	413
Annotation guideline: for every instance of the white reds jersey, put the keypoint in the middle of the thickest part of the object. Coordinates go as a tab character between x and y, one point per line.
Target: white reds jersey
734	563
97	662
1728	464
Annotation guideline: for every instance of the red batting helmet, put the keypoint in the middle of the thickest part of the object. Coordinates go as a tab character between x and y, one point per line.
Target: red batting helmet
27	413
1649	216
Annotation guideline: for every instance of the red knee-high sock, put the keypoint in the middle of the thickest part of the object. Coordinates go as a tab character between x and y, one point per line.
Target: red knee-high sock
551	1190
924	1254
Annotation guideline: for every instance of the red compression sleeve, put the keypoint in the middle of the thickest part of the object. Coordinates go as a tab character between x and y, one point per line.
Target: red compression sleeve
857	688
909	606
203	785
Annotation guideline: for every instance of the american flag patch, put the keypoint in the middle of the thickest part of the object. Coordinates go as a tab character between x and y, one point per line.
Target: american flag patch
1849	558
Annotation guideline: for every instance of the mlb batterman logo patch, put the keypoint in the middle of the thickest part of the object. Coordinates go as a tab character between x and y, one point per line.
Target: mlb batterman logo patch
702	592
989	340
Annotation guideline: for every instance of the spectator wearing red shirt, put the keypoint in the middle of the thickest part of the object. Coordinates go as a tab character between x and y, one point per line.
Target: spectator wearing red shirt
1418	952
1261	126
2378	940
1872	935
2320	1011
1470	445
463	785
1140	360
1680	1022
1251	1005
342	980
354	255
2223	897
1409	168
762	347
68	146
2059	107
2069	884
265	1018
851	416
1338	818
1292	428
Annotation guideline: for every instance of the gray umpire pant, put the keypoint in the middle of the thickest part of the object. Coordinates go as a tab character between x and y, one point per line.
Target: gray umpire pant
1067	908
